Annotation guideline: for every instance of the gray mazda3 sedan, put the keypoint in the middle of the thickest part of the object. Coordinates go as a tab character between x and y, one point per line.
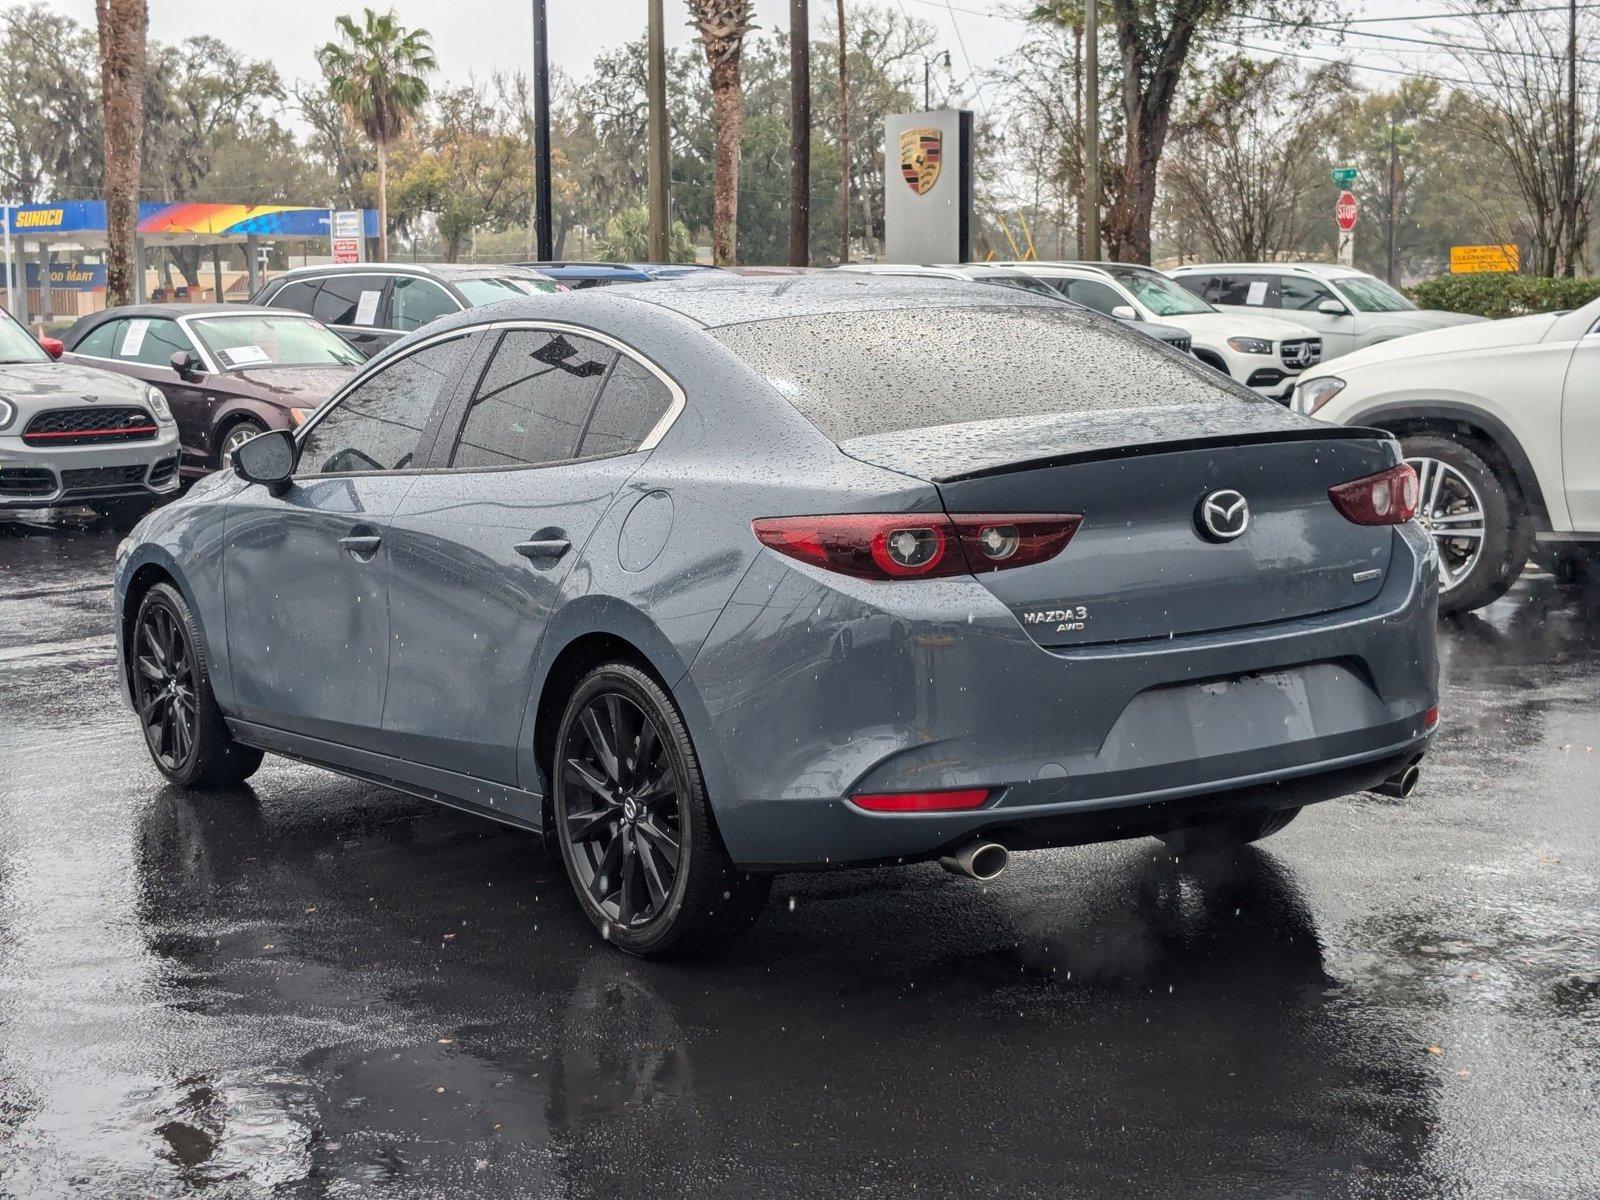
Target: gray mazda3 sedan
754	575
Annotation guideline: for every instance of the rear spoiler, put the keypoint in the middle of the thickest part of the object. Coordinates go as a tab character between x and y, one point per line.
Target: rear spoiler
1173	446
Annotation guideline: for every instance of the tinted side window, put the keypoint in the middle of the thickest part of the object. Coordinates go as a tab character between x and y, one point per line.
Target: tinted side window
348	300
1093	295
298	295
1243	290
415	302
633	403
533	401
151	341
1298	292
101	341
377	426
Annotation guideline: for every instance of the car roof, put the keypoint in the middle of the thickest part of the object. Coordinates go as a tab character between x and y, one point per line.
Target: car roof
432	270
175	311
587	270
1060	269
1319	270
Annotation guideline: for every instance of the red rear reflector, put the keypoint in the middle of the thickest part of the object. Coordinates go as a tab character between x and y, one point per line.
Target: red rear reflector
918	545
1387	498
922	801
1431	717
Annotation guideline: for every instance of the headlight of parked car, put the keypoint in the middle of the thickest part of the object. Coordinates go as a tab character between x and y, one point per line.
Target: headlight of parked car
157	401
1314	393
1246	345
8	410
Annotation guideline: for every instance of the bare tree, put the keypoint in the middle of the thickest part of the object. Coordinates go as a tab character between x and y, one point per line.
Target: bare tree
1532	110
122	25
723	25
1247	157
844	142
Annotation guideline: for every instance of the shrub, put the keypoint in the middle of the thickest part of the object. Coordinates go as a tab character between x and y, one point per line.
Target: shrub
1502	294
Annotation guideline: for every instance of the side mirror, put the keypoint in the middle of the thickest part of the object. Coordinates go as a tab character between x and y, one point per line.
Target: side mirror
187	364
1124	312
267	458
1333	308
54	347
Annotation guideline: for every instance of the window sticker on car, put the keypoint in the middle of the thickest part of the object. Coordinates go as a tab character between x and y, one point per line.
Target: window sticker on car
133	339
1257	293
367	308
244	356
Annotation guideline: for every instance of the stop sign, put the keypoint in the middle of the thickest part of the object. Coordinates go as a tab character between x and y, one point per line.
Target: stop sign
1344	211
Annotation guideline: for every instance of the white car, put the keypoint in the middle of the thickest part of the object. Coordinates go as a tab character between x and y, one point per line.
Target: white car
73	435
1348	309
1502	423
1264	354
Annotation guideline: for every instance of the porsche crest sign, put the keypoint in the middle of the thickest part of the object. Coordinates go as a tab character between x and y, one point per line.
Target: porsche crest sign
930	218
920	153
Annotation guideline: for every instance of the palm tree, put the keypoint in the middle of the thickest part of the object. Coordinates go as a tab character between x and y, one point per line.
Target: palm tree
722	25
122	25
378	74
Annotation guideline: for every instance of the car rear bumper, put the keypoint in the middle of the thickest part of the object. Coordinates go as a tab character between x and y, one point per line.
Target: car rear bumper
58	476
814	689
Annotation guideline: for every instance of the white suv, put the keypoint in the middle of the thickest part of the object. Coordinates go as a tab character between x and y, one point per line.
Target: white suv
1260	352
1349	309
1502	423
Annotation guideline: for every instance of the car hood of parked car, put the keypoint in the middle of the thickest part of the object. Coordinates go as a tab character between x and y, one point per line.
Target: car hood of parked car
305	386
1454	341
67	381
1220	326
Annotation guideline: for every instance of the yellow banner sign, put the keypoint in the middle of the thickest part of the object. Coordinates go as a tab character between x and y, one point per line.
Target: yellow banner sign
1465	260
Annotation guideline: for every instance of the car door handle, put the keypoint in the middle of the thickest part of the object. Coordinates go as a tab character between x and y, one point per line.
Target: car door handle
551	548
361	544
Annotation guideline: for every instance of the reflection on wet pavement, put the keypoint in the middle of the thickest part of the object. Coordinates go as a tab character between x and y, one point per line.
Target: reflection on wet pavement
315	987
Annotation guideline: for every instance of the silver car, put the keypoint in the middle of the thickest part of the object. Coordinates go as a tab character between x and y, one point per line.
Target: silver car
75	435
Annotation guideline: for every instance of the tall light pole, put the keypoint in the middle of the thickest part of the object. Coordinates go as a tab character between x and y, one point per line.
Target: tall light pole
544	249
799	133
844	143
1091	134
656	89
927	77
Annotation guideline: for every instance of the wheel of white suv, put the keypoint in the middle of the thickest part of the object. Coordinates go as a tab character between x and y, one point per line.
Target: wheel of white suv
1482	540
633	824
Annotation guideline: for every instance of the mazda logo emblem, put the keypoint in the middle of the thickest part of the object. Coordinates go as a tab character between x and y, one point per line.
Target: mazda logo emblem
1223	516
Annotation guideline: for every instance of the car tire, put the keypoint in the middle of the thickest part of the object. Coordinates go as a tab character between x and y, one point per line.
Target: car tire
183	728
1507	538
231	438
1227	833
634	826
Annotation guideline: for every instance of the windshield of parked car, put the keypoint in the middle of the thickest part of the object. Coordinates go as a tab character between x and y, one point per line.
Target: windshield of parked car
17	344
1372	295
253	340
854	373
489	289
1158	293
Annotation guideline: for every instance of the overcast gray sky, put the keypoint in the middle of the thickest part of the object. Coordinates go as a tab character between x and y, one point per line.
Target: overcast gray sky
482	36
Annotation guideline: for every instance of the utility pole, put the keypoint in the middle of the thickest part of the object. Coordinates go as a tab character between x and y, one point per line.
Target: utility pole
844	144
656	89
1091	134
1394	159
545	242
799	133
1570	181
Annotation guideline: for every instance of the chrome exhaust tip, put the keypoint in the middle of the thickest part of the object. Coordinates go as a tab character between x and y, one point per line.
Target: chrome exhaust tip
978	860
1402	785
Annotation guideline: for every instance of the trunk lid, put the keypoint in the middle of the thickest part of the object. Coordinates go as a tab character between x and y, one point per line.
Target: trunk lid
1142	566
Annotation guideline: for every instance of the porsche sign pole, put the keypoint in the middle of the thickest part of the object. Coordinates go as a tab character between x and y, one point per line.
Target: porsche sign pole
1344	216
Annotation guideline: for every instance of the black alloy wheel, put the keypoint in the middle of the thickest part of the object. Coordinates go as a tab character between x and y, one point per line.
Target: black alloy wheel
623	817
164	687
635	829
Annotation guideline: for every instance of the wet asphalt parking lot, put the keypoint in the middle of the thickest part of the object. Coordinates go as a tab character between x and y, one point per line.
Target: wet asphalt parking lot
314	987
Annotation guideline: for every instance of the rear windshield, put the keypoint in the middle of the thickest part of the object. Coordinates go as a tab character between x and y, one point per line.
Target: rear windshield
854	374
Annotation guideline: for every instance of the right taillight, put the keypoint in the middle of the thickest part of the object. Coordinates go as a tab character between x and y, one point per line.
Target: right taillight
918	545
1387	498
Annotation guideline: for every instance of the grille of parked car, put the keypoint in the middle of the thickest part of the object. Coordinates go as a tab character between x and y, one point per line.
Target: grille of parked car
26	481
163	471
82	480
1302	353
89	426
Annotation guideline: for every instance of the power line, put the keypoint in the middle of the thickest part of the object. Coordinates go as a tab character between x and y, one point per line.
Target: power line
1264	23
1345	62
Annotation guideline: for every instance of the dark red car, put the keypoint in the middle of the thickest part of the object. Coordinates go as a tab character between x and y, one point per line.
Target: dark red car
229	371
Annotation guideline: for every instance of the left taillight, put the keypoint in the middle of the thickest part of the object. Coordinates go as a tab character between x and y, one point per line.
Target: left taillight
918	545
1387	498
